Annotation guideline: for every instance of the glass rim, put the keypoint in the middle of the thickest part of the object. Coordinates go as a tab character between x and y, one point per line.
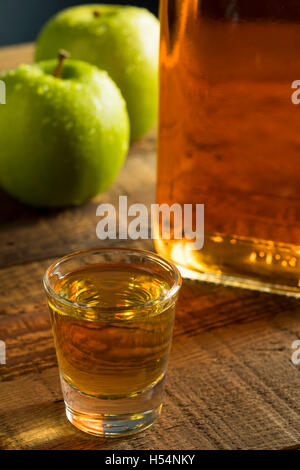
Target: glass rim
174	288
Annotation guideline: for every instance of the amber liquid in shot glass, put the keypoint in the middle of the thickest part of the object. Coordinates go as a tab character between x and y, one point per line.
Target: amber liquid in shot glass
112	319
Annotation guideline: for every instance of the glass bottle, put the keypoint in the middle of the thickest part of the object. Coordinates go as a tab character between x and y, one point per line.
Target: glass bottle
229	137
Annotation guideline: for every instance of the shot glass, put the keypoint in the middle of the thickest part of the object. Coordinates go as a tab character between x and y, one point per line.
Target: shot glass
112	314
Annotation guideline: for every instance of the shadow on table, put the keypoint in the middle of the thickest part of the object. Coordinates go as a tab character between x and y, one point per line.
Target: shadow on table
203	307
12	210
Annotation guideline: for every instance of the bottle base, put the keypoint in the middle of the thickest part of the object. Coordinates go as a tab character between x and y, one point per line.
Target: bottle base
250	284
239	262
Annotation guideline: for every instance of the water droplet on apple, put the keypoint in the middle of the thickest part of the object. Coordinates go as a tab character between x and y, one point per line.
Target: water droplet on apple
97	103
69	125
45	120
130	68
101	29
42	89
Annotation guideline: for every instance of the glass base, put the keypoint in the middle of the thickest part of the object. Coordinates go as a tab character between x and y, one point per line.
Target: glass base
108	416
113	425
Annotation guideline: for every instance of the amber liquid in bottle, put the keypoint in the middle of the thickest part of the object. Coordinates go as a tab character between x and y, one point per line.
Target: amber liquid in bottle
229	137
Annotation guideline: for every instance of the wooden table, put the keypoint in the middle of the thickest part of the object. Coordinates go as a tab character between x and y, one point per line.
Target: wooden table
231	382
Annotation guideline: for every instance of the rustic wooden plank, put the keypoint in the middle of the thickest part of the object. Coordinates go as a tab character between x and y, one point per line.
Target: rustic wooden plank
231	381
220	392
12	56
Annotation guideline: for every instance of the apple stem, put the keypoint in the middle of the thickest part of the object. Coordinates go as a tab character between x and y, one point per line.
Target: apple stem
97	14
62	55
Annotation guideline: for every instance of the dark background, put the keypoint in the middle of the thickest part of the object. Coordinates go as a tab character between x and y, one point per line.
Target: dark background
21	20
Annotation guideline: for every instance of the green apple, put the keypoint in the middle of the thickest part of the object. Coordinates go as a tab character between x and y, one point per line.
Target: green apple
63	139
122	40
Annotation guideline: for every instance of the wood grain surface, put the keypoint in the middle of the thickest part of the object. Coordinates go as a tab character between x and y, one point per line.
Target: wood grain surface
231	382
